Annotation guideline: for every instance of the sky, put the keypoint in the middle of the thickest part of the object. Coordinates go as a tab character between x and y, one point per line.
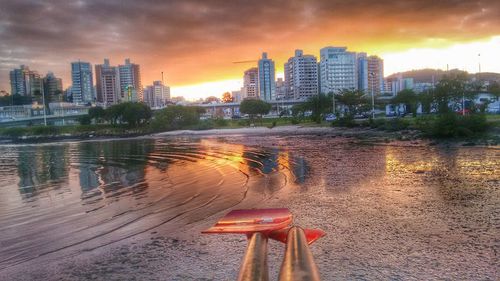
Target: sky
195	43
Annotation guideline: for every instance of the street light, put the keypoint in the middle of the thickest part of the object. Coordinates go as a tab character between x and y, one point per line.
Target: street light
372	75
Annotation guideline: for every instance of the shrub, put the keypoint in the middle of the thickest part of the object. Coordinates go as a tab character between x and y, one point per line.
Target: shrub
45	130
347	121
244	122
220	122
295	121
451	125
14	132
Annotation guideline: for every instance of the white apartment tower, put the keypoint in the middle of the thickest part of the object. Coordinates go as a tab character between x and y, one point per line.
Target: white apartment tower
338	70
301	76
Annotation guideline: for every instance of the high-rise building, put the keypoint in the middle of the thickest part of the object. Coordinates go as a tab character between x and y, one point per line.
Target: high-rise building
107	83
250	83
375	75
280	89
362	65
52	87
82	82
157	95
25	82
267	85
301	76
130	82
338	69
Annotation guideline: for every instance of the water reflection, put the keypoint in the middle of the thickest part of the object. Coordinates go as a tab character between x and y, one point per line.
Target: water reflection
77	196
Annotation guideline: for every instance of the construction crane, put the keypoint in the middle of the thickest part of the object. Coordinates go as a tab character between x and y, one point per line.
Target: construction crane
245	61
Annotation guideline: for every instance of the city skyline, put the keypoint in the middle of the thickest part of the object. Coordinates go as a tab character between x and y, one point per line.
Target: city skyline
195	49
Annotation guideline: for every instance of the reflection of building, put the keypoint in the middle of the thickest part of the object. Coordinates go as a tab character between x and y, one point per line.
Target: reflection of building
301	76
46	165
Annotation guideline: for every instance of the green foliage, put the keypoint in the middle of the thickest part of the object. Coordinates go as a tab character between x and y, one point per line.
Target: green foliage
393	124
409	98
254	107
355	101
13	132
295	120
97	113
450	89
318	105
14	100
45	130
84	120
131	113
221	122
346	121
176	117
452	125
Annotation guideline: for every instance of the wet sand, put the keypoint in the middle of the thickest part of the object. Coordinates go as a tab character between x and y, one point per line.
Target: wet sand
398	211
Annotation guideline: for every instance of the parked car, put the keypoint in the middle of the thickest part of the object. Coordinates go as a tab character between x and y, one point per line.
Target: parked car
330	117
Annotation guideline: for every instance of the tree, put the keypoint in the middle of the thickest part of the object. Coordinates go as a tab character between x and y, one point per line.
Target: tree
451	89
318	105
227	97
176	117
254	107
132	113
97	114
354	101
409	99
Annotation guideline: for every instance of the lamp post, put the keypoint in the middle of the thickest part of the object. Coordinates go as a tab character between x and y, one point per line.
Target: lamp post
372	75
44	109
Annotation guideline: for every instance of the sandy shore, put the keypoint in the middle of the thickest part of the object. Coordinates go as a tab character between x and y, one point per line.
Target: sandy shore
390	213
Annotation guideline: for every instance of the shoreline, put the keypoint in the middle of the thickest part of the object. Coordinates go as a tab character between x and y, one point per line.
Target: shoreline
361	133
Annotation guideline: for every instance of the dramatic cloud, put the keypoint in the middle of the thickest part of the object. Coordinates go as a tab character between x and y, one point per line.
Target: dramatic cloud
195	41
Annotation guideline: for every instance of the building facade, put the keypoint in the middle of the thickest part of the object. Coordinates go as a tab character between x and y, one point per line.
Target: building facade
130	82
301	76
25	82
267	72
250	83
156	95
52	87
375	75
280	89
338	69
107	84
82	82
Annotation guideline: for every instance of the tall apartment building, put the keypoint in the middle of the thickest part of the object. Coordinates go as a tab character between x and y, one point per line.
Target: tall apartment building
156	95
107	83
130	82
25	82
52	87
301	76
362	68
280	89
250	83
82	82
267	85
375	75
338	69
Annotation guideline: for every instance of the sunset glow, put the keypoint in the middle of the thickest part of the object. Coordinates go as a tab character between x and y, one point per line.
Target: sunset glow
195	44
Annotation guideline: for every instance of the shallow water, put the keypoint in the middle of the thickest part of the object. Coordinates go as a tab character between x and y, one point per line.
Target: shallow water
390	211
86	195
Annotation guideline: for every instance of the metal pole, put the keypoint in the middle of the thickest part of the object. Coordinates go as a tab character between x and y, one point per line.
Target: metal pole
373	97
299	262
44	108
254	264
